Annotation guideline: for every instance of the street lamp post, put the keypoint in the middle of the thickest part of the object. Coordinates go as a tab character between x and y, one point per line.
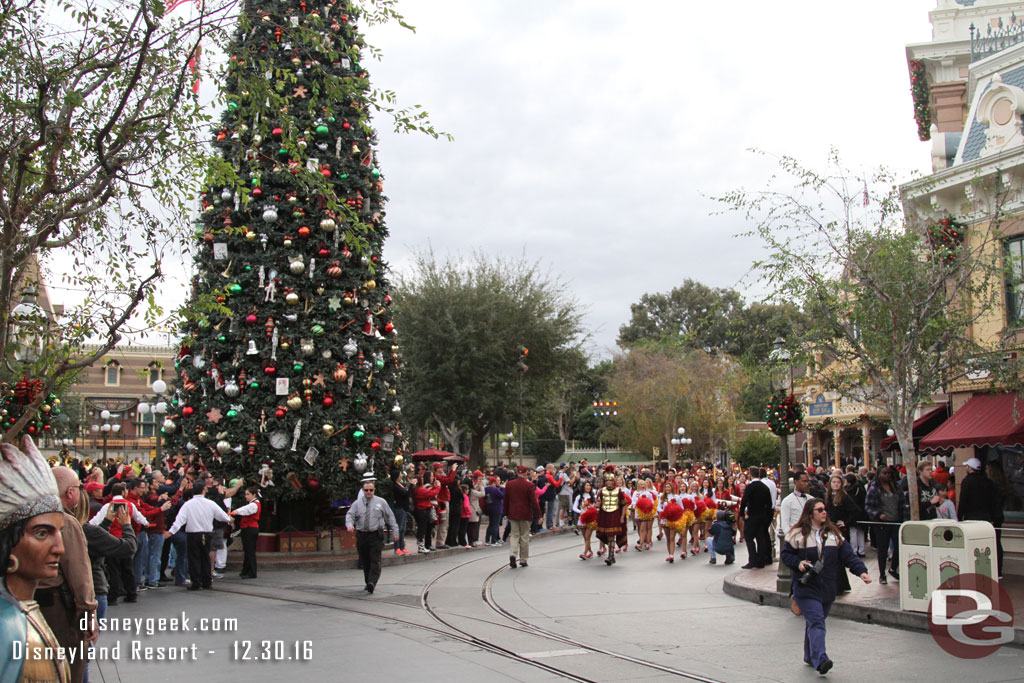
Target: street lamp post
105	429
510	446
681	440
780	354
158	409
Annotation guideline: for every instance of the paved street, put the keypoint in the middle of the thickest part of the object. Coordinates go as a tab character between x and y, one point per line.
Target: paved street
674	617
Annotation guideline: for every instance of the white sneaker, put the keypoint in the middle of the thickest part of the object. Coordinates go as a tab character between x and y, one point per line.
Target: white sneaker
217	575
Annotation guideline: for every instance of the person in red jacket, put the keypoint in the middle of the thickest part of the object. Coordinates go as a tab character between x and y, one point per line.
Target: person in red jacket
521	507
249	526
424	494
444	498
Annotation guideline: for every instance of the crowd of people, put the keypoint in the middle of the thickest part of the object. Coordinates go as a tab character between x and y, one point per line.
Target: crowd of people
109	533
122	528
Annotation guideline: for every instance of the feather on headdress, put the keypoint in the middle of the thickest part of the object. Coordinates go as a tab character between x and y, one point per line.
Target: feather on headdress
27	486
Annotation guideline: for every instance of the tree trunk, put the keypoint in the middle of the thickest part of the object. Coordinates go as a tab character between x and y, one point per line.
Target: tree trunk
904	435
476	449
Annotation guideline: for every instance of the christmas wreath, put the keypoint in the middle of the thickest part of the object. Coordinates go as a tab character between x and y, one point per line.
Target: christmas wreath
784	415
922	99
946	236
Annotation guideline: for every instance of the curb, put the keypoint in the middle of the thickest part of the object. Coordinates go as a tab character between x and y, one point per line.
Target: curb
328	561
867	614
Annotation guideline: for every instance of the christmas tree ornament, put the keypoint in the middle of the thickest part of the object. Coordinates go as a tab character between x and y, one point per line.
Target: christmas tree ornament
231	389
232	414
328	429
294	401
270	215
170	426
203	436
297	267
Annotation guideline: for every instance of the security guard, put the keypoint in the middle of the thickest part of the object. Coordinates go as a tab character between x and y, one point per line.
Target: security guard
370	517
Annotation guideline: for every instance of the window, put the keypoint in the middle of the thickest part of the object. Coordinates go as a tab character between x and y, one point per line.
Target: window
112	376
1015	281
155	372
146	425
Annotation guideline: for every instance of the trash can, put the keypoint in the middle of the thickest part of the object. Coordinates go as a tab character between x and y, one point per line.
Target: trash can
915	540
962	548
935	550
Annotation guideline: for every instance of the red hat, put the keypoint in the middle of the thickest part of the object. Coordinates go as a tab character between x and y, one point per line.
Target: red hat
492	480
438	465
522	469
91	486
477	473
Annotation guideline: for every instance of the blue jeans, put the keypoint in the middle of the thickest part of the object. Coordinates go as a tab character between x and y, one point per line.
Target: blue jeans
551	513
141	560
178	542
815	614
400	519
156	548
493	525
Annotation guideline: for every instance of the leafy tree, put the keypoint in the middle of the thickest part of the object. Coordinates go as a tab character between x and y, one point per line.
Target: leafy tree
464	326
757	448
100	121
889	312
695	313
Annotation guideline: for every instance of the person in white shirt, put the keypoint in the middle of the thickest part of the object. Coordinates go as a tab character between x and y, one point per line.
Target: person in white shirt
793	504
197	515
644	521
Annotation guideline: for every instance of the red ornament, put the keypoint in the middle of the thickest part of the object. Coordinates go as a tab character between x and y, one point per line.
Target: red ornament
325	170
277	133
375	445
269	370
257	192
389	328
328	401
280	413
334	270
324	252
187	411
346	125
251	319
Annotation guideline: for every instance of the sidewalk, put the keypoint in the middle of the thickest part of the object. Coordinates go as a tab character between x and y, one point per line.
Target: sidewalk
871	603
348	559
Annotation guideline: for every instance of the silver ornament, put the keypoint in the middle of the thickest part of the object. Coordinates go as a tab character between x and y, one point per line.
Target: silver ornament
231	390
223	447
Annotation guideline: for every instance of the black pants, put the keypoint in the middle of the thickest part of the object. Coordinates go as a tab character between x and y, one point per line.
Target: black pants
462	538
121	577
759	549
249	537
886	533
369	545
199	570
424	528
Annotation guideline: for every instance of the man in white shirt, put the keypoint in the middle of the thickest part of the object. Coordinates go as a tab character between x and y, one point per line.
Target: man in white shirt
793	504
197	515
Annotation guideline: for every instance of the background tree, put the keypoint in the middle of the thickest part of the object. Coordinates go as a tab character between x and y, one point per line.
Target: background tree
888	309
756	448
697	315
464	324
290	365
100	121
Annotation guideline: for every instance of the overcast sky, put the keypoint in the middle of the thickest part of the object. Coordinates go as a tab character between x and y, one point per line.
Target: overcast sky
589	133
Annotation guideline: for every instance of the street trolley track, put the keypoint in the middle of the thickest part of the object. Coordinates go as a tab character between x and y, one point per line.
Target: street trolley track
530	629
455	633
488	597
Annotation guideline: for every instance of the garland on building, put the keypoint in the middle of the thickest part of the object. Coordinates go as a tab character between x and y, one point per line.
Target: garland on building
13	401
830	422
922	99
784	415
946	237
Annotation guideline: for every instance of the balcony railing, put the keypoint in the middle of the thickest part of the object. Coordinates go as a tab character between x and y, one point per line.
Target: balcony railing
996	39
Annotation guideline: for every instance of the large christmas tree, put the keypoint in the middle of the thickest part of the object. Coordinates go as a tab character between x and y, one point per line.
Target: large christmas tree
288	372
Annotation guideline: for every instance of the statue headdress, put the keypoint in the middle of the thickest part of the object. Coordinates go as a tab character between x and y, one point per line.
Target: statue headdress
27	486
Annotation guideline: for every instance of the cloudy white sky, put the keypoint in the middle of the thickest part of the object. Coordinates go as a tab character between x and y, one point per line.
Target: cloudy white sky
589	134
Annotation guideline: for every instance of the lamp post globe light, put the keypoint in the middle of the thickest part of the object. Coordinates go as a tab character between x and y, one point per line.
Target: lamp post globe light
105	429
680	441
157	408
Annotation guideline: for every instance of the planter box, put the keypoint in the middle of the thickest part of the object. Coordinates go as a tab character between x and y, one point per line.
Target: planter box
266	543
297	541
336	540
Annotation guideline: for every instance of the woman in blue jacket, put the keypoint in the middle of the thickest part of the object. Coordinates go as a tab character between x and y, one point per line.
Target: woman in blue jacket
811	539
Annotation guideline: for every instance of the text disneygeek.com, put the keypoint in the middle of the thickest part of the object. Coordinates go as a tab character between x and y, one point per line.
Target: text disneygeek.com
137	649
